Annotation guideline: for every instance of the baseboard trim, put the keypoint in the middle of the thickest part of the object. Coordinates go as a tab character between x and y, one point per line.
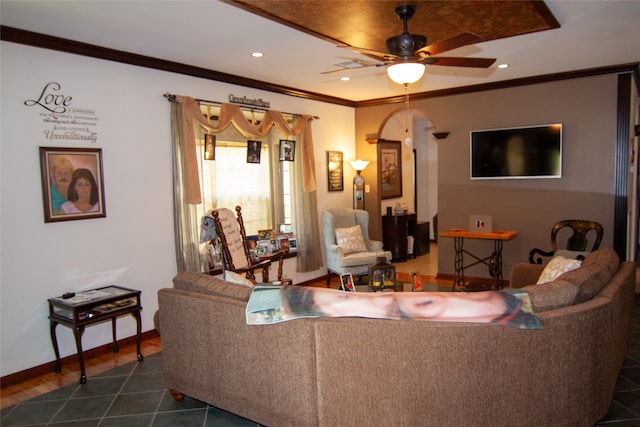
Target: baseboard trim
46	368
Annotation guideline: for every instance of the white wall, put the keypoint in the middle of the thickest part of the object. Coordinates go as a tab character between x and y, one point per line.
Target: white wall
134	245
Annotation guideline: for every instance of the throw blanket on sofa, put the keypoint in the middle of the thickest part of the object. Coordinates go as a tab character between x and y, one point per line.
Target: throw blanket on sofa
273	304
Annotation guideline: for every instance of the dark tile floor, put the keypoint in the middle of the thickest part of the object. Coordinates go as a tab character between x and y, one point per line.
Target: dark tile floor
131	395
134	395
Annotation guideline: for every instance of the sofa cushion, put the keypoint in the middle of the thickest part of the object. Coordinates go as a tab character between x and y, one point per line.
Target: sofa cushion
605	256
556	267
553	295
206	284
589	279
350	239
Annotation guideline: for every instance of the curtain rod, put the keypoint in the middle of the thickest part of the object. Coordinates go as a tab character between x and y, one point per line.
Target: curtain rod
171	97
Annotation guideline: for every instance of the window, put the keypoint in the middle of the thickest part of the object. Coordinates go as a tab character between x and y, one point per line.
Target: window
263	189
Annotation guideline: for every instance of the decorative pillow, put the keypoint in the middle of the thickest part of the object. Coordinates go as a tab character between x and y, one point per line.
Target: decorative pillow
350	239
556	267
233	277
553	295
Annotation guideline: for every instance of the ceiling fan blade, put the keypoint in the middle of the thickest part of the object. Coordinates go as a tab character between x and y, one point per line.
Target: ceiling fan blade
460	62
371	53
451	43
349	68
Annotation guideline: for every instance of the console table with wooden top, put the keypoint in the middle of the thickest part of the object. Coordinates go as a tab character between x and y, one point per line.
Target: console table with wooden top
493	261
86	308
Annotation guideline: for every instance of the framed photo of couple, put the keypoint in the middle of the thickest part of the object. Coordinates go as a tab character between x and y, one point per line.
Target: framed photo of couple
72	183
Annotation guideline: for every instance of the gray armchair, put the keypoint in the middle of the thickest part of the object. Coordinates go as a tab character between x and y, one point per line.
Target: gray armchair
340	262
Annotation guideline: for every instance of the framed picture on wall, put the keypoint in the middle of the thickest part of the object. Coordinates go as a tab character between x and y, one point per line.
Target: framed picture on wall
335	172
287	150
72	183
253	151
390	169
209	147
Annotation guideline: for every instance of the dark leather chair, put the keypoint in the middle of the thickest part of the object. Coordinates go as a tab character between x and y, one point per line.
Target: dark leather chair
576	243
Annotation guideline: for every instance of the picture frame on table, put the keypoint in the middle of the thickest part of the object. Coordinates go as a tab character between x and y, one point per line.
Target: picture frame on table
253	151
265	234
285	228
346	282
287	150
263	248
390	169
72	183
416	282
283	242
209	147
335	171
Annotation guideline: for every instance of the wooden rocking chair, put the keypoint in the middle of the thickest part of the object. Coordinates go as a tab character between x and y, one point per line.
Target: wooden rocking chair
235	247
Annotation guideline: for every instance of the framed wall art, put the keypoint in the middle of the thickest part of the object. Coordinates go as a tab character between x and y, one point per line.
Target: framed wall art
335	171
390	169
287	150
209	147
72	183
253	151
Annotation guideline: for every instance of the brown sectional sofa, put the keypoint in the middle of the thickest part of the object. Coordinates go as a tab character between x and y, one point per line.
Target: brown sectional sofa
372	372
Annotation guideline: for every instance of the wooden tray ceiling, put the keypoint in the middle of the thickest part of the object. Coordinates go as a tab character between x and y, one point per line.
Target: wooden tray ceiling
368	24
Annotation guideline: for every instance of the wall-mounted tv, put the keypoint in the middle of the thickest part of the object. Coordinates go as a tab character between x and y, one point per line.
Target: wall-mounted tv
517	153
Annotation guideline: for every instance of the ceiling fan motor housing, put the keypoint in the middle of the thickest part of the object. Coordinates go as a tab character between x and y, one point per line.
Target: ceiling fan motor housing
405	44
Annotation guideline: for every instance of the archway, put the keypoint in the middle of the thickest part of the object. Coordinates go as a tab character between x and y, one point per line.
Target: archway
419	162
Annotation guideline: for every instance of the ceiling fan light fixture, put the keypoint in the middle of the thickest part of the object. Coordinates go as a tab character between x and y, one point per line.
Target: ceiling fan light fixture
406	72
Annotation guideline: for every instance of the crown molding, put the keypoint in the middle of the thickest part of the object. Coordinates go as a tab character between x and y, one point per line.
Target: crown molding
30	38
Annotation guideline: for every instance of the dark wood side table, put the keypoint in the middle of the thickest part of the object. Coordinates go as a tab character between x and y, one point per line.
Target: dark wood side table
395	229
89	307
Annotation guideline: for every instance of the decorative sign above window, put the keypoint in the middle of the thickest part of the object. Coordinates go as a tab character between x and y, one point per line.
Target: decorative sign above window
252	102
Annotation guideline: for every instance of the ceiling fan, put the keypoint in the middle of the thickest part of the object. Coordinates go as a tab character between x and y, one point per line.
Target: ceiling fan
407	54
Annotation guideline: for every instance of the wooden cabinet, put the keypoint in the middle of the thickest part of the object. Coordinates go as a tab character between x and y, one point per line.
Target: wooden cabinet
395	232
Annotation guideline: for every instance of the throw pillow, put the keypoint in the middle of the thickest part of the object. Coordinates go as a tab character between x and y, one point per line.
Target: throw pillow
350	239
557	266
236	278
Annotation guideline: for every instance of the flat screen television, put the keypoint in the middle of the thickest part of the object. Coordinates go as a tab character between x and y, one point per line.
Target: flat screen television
517	153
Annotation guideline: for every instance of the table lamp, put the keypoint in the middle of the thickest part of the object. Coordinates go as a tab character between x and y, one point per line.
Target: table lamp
358	183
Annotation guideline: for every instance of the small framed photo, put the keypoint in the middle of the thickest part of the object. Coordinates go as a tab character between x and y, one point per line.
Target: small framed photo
285	228
265	234
416	282
263	248
283	243
209	147
346	282
253	151
72	183
293	244
252	241
287	150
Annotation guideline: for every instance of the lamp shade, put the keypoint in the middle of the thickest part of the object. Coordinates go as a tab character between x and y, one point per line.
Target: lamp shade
405	72
358	165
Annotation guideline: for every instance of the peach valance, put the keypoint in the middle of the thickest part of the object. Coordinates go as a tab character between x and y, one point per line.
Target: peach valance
231	114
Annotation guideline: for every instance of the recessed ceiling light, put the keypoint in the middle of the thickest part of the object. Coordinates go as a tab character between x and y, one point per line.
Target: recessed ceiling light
503	66
345	78
257	54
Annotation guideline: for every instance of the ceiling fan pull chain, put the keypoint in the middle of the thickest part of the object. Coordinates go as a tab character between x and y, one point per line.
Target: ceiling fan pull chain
406	101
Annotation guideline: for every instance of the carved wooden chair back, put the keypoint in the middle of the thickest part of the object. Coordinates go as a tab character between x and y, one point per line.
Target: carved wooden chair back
577	242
